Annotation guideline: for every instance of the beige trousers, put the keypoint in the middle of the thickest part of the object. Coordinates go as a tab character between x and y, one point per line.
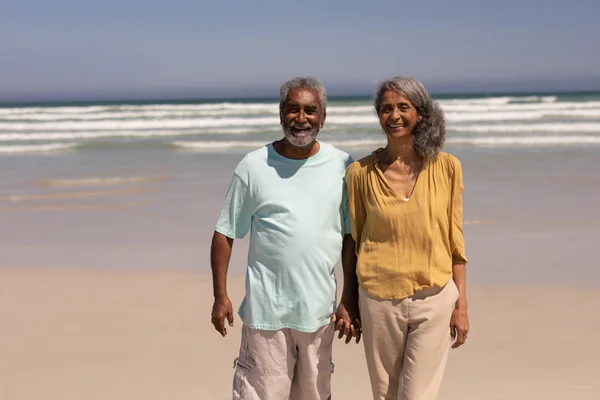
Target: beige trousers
284	364
407	342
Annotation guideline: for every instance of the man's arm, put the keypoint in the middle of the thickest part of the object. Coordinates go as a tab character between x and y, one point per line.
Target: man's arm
220	254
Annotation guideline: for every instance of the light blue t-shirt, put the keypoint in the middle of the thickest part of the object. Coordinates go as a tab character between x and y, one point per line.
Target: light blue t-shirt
296	212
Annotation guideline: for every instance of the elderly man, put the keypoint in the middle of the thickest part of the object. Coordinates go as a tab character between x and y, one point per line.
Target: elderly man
290	195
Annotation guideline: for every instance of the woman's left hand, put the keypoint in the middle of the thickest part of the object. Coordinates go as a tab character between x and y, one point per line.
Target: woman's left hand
459	326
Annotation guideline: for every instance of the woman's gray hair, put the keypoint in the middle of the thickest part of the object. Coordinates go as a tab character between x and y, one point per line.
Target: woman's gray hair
303	83
429	134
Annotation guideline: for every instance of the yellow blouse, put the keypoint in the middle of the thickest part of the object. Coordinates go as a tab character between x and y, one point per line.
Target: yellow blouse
405	246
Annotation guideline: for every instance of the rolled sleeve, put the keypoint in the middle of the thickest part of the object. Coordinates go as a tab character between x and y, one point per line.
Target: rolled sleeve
356	208
457	242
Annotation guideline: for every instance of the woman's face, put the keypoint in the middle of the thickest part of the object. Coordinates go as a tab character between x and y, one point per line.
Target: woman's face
397	115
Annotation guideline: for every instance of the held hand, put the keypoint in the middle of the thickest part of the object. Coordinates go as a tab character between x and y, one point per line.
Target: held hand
222	309
459	326
345	314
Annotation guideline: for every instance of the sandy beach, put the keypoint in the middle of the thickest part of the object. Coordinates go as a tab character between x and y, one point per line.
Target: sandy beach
74	334
105	288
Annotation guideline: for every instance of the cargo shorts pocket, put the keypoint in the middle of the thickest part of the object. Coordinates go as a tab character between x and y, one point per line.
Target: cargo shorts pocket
242	390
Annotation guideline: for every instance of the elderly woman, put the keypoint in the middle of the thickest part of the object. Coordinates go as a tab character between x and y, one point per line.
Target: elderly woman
408	291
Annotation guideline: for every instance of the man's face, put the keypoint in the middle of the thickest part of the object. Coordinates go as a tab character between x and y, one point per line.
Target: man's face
302	117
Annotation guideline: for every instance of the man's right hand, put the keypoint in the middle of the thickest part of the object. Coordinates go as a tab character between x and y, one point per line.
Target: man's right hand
222	309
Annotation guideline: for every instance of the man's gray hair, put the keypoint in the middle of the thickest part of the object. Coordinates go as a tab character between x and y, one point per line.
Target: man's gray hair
429	134
303	83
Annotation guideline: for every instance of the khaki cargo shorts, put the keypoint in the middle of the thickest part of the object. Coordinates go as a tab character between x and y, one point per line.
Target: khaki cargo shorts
284	364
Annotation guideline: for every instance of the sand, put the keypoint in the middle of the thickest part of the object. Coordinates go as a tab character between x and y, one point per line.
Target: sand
86	334
130	320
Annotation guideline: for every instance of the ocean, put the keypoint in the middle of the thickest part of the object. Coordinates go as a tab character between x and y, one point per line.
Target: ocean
213	126
140	184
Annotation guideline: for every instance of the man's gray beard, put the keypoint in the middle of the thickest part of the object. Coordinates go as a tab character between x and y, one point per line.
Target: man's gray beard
300	141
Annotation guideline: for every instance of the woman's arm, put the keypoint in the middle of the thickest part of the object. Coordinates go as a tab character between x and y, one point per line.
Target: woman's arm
347	315
459	324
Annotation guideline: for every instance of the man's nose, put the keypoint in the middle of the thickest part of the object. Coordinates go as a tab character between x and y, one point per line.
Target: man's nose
301	118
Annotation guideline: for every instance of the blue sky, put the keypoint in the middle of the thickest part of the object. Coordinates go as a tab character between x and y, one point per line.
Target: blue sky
181	48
